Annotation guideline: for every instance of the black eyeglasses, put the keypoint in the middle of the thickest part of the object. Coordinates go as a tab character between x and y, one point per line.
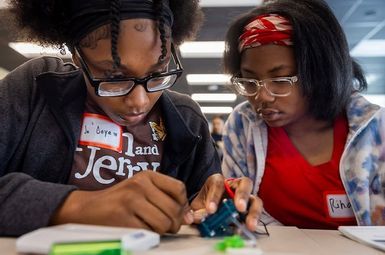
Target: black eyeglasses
113	87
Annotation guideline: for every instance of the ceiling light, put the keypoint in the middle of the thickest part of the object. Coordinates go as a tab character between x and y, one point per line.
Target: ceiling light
369	48
202	49
216	109
31	50
208	79
214	97
222	3
212	87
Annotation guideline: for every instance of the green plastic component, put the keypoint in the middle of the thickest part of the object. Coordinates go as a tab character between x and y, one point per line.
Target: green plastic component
234	241
88	248
220	246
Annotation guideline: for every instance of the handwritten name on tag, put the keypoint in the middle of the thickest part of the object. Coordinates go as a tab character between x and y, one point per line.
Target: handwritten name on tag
100	131
339	206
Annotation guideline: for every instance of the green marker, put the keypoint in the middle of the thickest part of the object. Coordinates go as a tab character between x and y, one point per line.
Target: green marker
88	248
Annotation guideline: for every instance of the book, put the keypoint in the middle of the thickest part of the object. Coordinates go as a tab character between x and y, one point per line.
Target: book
373	236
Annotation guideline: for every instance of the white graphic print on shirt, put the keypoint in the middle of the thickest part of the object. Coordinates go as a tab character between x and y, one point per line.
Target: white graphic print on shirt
108	153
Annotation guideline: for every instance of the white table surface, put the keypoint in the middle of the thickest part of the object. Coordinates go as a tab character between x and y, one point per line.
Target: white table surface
282	241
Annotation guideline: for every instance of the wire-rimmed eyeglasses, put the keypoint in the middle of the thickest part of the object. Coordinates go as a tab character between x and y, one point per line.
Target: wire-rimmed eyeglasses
277	87
112	87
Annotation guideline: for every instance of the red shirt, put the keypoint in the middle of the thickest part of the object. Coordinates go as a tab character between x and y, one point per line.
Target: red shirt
299	194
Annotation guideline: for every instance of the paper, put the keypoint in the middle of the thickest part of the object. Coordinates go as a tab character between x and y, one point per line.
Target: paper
370	235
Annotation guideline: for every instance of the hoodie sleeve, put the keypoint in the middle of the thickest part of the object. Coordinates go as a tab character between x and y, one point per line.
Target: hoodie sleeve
25	203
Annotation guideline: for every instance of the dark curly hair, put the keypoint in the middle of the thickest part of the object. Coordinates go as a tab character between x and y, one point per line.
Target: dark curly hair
43	21
327	73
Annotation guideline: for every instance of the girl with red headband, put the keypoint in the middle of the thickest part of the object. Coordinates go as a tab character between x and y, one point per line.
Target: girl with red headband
311	143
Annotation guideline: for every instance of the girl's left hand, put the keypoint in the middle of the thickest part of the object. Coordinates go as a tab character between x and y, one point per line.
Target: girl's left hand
211	194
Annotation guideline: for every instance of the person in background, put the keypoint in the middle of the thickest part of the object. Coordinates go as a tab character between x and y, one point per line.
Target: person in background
216	133
311	143
217	128
104	141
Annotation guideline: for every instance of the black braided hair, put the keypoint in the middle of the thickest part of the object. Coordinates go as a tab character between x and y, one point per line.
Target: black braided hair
115	23
158	6
44	21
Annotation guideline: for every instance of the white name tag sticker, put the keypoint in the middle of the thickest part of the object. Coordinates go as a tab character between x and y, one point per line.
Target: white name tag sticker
100	131
338	206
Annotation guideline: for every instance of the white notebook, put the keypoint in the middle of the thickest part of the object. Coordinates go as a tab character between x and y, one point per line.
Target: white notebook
370	235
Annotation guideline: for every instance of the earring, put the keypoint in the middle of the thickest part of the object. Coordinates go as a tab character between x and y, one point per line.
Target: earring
62	50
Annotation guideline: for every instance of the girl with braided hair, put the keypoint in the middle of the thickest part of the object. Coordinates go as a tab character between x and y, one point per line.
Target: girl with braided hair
103	140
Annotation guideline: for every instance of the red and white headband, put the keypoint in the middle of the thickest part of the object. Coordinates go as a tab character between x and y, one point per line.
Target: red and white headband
266	29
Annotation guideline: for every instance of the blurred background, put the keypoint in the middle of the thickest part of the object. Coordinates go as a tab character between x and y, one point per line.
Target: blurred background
362	20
